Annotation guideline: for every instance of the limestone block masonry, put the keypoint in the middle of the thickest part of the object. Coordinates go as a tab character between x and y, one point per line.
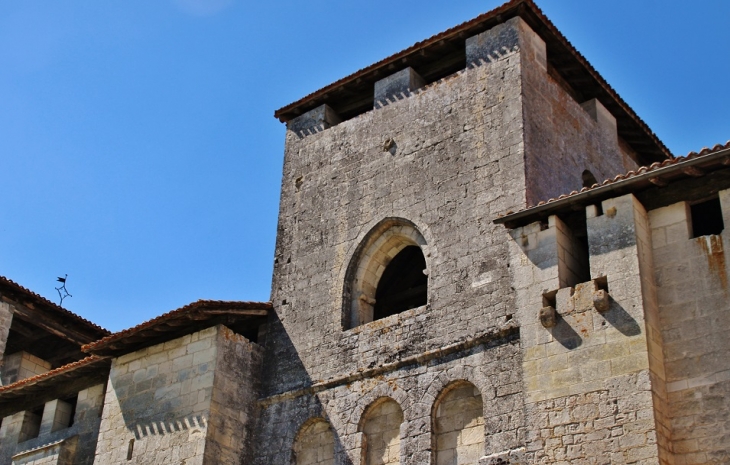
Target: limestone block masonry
694	303
454	284
589	383
54	437
457	160
189	400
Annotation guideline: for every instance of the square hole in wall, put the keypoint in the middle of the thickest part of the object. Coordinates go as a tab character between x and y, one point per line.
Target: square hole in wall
707	217
31	425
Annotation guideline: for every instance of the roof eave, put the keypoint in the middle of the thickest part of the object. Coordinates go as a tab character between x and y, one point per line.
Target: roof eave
610	189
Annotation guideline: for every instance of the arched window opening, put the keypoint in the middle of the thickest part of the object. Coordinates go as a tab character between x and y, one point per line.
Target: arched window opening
403	284
458	425
381	433
314	444
588	179
387	274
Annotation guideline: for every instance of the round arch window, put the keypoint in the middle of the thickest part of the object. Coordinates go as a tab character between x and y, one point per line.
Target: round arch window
387	275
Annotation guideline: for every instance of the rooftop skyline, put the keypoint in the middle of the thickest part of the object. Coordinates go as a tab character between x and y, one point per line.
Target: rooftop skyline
140	152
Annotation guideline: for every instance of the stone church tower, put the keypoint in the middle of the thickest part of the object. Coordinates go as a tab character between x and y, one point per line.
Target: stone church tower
407	322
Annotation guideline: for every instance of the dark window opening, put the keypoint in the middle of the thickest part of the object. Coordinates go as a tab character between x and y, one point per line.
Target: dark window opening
707	218
403	285
130	449
549	299
599	209
576	267
31	426
588	179
72	401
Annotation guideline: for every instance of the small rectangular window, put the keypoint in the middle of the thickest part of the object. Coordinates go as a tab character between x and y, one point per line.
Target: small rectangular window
707	218
573	257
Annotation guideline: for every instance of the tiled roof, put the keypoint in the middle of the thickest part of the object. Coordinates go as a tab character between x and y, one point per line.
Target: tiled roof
38	389
562	55
655	174
85	362
14	291
192	317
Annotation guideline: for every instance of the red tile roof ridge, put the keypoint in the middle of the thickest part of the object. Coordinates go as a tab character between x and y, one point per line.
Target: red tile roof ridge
91	359
384	61
48	303
496	12
633	173
189	308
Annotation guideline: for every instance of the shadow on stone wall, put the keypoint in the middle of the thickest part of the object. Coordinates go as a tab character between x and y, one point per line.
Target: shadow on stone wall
565	334
282	369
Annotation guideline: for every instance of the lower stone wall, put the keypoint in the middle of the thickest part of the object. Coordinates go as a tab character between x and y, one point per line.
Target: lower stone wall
72	444
494	369
700	424
381	433
233	402
694	307
612	425
315	444
459	426
57	453
189	400
21	365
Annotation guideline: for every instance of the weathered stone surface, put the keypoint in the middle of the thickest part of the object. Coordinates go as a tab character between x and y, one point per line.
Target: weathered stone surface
588	337
49	436
694	318
397	86
191	400
21	365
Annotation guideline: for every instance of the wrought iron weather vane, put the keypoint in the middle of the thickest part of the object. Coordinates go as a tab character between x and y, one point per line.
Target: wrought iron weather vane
62	291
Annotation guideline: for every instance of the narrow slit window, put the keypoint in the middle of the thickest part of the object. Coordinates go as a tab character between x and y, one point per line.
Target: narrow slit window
574	263
707	218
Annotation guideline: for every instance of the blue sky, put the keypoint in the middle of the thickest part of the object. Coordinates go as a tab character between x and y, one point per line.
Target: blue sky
139	153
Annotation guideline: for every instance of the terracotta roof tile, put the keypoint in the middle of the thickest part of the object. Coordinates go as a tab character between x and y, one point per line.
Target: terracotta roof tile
641	171
527	9
9	285
84	362
186	318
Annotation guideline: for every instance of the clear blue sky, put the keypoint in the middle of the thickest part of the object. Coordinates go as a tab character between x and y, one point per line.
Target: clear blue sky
139	154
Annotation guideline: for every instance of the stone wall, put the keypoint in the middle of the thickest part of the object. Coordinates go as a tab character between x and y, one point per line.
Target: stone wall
6	320
590	386
380	427
30	437
694	303
315	444
455	162
189	399
493	367
458	436
236	388
564	135
22	365
61	452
